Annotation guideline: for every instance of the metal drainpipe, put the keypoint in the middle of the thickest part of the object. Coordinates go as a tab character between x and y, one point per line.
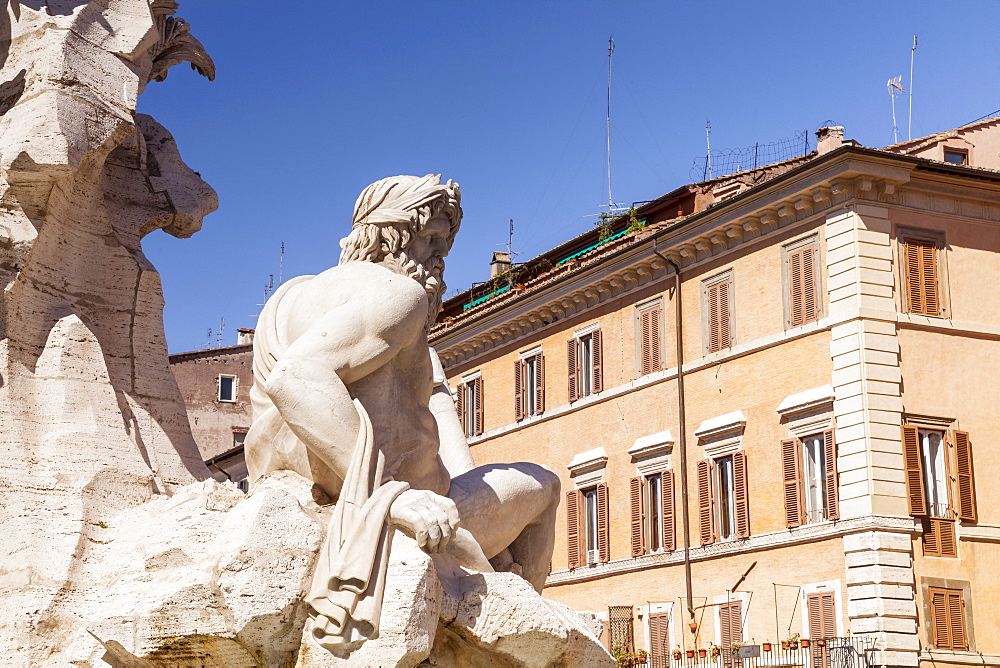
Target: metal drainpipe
682	430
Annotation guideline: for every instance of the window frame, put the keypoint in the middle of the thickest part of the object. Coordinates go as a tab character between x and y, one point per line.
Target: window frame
706	320
962	588
955	150
585	368
581	532
235	388
787	250
469	404
920	235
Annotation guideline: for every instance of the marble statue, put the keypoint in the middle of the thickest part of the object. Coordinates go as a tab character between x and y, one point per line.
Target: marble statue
91	420
348	394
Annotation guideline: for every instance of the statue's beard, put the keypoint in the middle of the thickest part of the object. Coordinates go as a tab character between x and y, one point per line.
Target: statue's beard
429	275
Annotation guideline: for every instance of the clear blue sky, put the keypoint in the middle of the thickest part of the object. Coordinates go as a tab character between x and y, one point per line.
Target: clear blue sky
314	101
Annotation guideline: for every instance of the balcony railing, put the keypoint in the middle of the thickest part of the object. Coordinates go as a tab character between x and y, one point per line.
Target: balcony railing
851	652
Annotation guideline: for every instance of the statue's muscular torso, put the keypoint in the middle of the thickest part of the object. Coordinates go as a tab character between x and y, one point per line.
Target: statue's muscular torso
383	359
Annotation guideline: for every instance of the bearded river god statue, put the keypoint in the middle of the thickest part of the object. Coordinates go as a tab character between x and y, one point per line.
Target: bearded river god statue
348	393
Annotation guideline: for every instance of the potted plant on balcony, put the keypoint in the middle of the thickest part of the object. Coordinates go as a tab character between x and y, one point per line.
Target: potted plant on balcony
716	651
677	653
626	657
804	642
702	652
735	647
766	646
689	653
791	643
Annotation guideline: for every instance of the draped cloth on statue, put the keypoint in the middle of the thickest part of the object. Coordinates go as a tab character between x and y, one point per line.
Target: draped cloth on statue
346	594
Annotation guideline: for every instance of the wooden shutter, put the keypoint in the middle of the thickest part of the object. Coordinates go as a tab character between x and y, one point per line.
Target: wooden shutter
595	349
574	536
966	478
718	317
731	627
635	486
913	471
920	257
460	407
519	398
477	388
659	638
741	494
667	509
822	615
939	537
539	388
791	467
705	515
603	524
574	370
802	286
948	619
649	340
830	476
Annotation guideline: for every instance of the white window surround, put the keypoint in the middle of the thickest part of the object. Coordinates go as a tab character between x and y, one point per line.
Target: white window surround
808	412
232	394
651	454
587	468
587	329
657	609
815	588
537	350
472	376
744	599
722	435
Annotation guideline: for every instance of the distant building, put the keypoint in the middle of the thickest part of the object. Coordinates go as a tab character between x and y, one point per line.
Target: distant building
215	384
771	398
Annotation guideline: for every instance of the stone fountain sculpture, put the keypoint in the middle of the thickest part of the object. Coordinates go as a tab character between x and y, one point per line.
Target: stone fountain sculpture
118	548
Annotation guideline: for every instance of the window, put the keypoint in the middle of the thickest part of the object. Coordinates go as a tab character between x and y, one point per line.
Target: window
587	525
529	386
956	156
920	253
584	364
652	507
722	498
659	638
809	467
469	403
649	337
822	612
801	269
717	310
948	618
227	388
928	455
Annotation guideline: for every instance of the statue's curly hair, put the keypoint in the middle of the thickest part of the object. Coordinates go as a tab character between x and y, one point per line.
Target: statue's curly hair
390	212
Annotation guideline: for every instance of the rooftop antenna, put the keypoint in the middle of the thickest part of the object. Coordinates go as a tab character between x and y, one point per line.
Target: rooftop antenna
217	338
611	50
708	154
281	264
909	123
510	241
895	87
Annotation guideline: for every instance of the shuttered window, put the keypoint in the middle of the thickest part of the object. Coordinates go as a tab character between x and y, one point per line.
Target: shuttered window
731	630
659	638
803	306
649	339
718	314
723	498
529	386
948	618
587	526
584	364
809	474
651	505
920	271
939	539
469	404
822	612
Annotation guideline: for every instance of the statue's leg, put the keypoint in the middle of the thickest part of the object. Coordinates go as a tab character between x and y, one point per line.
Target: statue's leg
511	507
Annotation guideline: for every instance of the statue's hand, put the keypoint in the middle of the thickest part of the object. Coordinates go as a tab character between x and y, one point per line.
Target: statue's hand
430	518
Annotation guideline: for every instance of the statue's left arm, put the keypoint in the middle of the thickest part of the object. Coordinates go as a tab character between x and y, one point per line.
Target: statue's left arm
454	449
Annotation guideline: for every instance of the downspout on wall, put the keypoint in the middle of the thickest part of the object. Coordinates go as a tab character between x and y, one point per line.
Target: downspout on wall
682	428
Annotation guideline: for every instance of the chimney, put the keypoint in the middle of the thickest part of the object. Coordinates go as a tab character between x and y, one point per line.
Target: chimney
500	263
244	336
829	138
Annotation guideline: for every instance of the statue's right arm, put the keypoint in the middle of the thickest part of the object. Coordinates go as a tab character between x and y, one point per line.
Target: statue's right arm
308	384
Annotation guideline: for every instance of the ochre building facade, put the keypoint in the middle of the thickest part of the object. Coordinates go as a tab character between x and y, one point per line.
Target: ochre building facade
770	398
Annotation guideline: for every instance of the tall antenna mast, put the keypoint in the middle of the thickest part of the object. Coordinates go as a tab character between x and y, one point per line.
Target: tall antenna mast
281	263
708	153
895	87
510	241
611	49
909	123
